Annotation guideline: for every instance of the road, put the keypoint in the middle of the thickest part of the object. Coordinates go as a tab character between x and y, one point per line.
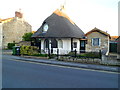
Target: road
24	74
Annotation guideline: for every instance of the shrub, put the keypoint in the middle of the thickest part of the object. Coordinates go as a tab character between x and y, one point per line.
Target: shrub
72	53
90	55
53	55
28	50
86	55
93	55
10	45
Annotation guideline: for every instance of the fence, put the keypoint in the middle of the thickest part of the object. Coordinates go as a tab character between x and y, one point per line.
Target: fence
81	56
72	55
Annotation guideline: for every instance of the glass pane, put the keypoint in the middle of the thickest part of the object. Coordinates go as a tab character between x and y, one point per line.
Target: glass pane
75	44
95	41
82	43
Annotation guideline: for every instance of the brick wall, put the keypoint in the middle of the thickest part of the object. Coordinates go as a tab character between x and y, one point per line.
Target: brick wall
103	39
14	30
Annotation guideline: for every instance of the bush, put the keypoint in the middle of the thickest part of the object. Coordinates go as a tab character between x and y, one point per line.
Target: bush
53	55
86	55
92	55
28	50
72	53
10	45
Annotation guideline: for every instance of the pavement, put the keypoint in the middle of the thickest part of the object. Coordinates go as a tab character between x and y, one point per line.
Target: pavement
69	64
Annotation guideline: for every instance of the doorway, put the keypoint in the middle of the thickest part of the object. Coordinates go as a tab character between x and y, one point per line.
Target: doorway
82	46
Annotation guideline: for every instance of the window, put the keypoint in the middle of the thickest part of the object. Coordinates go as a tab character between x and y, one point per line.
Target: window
75	45
46	43
82	43
60	43
95	42
54	43
45	27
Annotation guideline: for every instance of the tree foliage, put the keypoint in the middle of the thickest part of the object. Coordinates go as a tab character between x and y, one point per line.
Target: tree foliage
27	36
10	45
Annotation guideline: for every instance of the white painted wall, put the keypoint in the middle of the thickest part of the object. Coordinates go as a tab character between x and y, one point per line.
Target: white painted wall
66	46
78	44
108	46
42	44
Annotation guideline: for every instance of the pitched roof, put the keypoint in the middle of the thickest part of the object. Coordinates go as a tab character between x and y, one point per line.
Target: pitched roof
97	30
118	38
113	37
60	26
6	20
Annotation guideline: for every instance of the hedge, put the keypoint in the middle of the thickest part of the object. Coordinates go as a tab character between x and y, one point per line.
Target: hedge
28	50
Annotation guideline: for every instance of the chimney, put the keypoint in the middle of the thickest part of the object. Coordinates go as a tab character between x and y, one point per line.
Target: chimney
19	14
62	8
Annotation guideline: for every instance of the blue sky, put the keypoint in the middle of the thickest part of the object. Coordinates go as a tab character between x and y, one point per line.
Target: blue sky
87	14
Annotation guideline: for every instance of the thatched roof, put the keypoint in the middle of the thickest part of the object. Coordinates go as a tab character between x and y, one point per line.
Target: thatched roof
60	26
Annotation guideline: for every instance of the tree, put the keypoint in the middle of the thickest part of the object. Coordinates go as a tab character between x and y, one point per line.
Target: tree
27	36
10	45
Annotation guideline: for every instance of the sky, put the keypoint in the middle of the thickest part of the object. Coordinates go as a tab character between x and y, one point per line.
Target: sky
87	14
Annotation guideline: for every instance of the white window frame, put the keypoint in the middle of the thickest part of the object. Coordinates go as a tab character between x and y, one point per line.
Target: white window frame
60	43
99	42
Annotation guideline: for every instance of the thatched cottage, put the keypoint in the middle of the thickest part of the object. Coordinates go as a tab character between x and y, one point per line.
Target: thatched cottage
58	31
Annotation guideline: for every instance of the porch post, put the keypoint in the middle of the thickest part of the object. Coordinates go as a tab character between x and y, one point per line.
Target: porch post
71	44
39	44
80	46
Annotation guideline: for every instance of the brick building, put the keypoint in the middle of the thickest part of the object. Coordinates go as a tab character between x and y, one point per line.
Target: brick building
97	40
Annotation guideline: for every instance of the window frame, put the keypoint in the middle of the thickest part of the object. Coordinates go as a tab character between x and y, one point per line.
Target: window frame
74	44
60	43
43	28
98	42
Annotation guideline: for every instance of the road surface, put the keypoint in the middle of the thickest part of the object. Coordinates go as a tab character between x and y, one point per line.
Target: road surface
24	74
